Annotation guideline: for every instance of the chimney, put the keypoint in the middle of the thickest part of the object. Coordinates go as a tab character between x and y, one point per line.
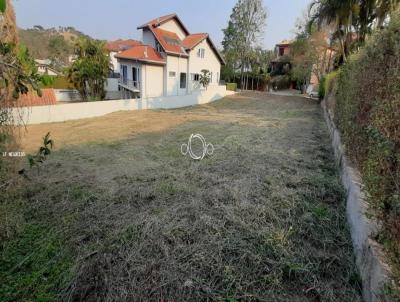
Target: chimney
145	52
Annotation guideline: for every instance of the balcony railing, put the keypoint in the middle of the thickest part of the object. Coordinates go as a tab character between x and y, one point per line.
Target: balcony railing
130	84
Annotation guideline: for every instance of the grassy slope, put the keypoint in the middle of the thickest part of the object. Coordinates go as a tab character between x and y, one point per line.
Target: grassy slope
260	220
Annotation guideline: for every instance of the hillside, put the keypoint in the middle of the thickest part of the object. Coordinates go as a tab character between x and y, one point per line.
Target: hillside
51	43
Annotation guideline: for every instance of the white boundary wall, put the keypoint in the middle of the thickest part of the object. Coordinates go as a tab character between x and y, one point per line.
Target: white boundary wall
74	111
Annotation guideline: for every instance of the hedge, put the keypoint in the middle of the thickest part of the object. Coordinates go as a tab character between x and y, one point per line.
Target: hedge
330	79
57	82
231	86
367	113
281	82
321	88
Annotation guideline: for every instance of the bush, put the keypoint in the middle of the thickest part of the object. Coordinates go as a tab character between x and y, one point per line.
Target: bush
231	86
321	88
280	82
330	81
368	115
57	82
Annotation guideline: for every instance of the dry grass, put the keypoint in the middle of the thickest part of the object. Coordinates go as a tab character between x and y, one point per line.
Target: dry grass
127	124
260	220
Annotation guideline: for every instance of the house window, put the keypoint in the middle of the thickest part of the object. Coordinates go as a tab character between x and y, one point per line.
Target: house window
172	41
158	47
281	51
172	74
124	71
217	77
201	53
211	77
195	77
135	76
183	80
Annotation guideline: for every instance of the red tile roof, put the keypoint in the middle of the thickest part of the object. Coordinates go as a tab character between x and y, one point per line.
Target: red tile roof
169	41
143	53
120	45
193	40
32	99
163	19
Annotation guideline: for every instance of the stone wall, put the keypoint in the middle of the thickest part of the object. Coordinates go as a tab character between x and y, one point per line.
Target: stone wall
373	269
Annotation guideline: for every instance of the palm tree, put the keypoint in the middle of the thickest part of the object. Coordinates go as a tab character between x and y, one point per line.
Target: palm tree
384	8
350	16
89	71
341	14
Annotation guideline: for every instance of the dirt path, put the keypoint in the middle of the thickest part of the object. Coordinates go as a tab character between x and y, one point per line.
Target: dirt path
131	218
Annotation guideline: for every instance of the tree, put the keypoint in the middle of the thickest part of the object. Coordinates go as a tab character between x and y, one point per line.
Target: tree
205	78
351	20
59	51
245	28
302	60
89	71
18	74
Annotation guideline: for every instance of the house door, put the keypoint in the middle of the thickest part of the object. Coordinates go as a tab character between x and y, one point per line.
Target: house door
135	76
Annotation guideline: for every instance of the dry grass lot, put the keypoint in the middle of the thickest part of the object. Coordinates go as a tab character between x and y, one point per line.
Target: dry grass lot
118	214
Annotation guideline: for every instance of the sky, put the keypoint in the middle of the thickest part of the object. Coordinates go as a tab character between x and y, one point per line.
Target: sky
111	20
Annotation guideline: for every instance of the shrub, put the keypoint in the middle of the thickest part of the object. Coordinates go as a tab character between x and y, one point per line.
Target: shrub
57	82
231	86
321	88
368	115
330	81
280	82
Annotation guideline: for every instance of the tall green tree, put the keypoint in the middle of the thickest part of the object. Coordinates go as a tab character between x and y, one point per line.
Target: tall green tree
352	20
244	32
89	71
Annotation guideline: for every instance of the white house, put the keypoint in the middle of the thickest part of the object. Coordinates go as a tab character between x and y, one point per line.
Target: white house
168	62
44	67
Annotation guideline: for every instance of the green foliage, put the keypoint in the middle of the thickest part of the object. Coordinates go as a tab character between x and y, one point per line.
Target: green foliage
3	6
89	71
43	153
280	82
56	44
245	28
47	80
231	86
330	80
56	82
368	115
349	16
205	78
18	70
302	65
34	265
321	88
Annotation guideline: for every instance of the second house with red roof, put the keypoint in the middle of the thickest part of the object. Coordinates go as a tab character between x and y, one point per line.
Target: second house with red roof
167	62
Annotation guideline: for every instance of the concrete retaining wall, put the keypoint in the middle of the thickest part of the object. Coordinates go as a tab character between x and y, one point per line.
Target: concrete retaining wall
373	270
74	111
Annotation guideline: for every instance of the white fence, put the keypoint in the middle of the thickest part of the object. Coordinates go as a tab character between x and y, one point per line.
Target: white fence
74	111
